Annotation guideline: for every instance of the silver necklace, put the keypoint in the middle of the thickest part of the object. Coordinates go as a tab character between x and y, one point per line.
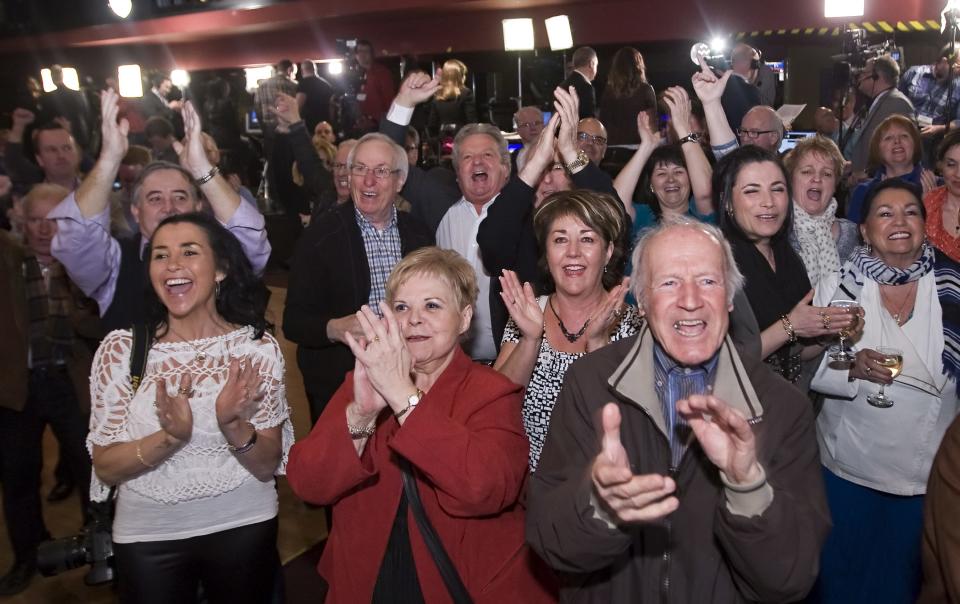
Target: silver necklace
201	356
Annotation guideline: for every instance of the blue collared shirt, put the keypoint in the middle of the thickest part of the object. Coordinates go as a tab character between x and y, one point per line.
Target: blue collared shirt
383	253
673	383
931	99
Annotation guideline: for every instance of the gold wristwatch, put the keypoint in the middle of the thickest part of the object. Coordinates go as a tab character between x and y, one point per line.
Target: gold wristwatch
412	401
578	163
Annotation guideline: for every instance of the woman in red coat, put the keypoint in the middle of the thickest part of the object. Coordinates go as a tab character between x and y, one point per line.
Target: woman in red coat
415	402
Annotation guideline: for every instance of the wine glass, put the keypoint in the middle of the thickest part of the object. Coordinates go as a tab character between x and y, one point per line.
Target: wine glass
892	360
839	352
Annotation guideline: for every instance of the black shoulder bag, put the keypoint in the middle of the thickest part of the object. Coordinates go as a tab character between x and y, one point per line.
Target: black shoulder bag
451	578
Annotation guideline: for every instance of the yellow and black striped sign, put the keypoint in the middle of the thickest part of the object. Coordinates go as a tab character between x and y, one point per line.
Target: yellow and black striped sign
873	27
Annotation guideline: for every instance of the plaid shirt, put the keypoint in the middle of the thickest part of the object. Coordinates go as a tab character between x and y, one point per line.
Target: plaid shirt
383	253
930	98
266	97
673	383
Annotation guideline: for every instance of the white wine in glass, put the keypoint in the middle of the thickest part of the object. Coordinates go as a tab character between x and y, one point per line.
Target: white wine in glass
839	352
893	361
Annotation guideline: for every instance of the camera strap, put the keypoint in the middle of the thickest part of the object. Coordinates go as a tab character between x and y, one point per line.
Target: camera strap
138	353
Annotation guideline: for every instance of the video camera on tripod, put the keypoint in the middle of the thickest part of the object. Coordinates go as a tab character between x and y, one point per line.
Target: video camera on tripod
856	50
351	79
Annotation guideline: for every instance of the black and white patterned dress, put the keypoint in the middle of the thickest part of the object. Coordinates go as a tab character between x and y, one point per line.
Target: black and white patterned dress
547	378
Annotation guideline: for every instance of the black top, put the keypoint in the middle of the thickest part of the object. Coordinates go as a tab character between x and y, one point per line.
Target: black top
586	92
397	580
619	114
460	110
316	109
127	306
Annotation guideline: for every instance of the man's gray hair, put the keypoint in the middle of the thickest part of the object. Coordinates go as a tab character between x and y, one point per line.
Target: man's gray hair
733	279
399	153
156	166
488	129
888	68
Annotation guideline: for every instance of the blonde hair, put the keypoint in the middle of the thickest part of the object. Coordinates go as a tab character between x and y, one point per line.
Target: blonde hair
819	145
447	265
453	77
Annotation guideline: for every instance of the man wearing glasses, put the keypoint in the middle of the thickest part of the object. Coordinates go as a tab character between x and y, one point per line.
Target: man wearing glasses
529	122
877	81
592	139
342	262
761	126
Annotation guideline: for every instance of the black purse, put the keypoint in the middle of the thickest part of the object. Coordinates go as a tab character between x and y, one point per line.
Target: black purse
451	578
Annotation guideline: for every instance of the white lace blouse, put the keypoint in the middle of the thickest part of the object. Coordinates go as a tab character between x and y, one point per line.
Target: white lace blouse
201	488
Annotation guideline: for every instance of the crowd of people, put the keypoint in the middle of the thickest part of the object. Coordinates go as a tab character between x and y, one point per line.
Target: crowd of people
645	356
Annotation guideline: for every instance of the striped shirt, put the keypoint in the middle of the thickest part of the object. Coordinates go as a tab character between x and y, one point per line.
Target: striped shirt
383	253
673	383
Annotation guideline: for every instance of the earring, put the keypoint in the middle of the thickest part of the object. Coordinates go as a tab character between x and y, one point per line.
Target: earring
604	269
216	290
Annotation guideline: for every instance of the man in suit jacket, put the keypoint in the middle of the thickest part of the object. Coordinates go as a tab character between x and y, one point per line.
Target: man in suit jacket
342	262
585	65
878	81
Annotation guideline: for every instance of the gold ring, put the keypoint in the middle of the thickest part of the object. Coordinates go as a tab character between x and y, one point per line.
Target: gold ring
376	338
189	392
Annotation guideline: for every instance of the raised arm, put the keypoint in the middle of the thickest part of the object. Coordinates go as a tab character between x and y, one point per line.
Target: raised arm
698	167
710	89
626	181
93	195
15	161
316	178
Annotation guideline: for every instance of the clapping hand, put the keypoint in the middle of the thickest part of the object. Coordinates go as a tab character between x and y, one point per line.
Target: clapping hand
567	104
192	155
384	355
606	316
522	305
286	109
241	394
173	412
627	497
115	143
541	155
678	102
724	435
649	134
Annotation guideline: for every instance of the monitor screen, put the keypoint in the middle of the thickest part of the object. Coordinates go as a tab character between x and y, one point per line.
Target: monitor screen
792	138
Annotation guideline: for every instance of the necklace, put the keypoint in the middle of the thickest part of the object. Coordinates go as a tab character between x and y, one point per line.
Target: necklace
201	356
898	316
571	337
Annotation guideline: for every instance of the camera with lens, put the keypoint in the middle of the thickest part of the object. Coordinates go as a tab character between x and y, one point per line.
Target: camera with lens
716	60
93	546
856	50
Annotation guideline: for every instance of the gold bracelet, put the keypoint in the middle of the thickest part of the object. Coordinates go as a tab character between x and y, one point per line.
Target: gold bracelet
788	327
140	456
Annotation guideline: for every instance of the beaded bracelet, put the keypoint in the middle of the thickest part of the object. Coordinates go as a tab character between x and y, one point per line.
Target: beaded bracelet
358	432
788	327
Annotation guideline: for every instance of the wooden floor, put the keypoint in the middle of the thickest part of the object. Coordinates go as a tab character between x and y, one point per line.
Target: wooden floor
300	526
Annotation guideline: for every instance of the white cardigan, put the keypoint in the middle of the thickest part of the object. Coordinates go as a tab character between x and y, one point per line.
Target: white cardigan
890	449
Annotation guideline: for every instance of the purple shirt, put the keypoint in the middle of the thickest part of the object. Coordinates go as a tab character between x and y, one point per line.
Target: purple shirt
92	256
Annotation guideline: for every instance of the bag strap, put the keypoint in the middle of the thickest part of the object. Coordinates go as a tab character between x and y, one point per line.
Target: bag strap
451	578
138	353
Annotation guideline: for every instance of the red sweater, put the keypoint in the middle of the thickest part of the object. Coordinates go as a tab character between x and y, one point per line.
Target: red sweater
466	443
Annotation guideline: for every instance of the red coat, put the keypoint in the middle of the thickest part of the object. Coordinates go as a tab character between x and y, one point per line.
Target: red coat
466	443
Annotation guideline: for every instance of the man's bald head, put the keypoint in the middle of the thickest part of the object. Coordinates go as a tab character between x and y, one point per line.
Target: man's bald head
761	126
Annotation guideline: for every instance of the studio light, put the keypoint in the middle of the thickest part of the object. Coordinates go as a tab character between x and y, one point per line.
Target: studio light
335	67
122	8
518	34
180	78
842	8
255	74
718	44
131	84
70	79
558	32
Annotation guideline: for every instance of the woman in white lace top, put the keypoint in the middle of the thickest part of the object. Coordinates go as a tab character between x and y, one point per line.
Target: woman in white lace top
194	449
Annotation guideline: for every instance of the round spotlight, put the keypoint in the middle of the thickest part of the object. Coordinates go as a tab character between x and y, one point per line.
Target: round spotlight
121	7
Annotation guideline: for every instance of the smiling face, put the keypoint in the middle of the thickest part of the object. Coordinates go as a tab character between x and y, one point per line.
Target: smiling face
576	255
341	172
430	319
684	294
671	185
761	127
760	200
481	172
183	270
894	227
373	196
592	139
950	168
814	182
896	149
325	131
38	229
163	193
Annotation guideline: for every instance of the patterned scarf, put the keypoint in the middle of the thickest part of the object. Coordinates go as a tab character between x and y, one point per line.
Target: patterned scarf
816	246
947	273
51	334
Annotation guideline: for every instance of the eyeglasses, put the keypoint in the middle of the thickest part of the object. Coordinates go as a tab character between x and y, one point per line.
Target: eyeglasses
743	133
381	172
530	124
340	166
597	140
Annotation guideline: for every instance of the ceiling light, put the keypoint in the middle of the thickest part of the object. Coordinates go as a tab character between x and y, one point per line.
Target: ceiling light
121	7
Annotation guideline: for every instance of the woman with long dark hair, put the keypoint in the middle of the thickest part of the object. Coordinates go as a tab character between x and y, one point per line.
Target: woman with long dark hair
193	449
626	94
